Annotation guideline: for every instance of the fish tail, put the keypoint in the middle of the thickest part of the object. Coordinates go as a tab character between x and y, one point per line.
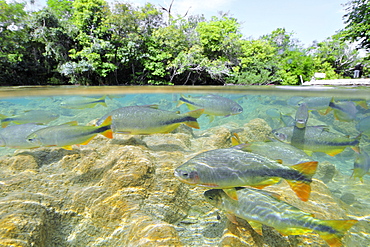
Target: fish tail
106	129
340	226
4	124
356	147
235	139
182	100
101	101
4	121
303	188
306	168
363	104
194	114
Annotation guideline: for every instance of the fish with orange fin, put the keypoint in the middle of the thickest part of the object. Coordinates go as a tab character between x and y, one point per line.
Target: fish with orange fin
260	207
343	110
69	134
229	168
318	139
148	119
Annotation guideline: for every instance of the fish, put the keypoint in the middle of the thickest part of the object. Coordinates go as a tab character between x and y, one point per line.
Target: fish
278	118
261	207
361	166
229	168
82	102
213	105
318	139
32	116
145	120
343	110
275	150
301	116
68	134
15	136
319	104
364	126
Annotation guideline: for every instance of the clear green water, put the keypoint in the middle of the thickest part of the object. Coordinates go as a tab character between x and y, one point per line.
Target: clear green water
267	103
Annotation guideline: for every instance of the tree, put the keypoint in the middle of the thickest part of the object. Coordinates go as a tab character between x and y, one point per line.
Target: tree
21	60
357	20
338	53
90	58
257	63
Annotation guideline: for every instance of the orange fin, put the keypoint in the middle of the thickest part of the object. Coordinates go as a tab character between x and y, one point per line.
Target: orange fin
341	226
306	168
192	124
265	183
335	152
235	140
196	113
231	193
356	149
301	189
108	134
87	141
257	227
69	147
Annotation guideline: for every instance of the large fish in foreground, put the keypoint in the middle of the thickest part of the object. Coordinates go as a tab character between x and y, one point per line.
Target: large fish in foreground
262	207
318	139
143	120
69	134
15	136
213	105
230	168
33	116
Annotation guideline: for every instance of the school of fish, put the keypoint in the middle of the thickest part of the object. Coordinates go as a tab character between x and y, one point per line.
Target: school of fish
234	176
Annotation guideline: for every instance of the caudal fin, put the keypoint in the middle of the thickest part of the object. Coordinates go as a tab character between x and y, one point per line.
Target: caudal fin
340	227
303	188
105	127
194	114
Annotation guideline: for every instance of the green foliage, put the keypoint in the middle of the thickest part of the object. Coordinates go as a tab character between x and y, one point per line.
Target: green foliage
61	8
357	21
87	42
338	53
219	37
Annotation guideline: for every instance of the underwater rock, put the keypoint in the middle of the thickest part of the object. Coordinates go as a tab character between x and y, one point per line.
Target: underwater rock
255	130
326	171
123	192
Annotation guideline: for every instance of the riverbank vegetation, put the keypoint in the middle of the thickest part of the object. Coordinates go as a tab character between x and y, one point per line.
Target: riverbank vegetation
89	42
